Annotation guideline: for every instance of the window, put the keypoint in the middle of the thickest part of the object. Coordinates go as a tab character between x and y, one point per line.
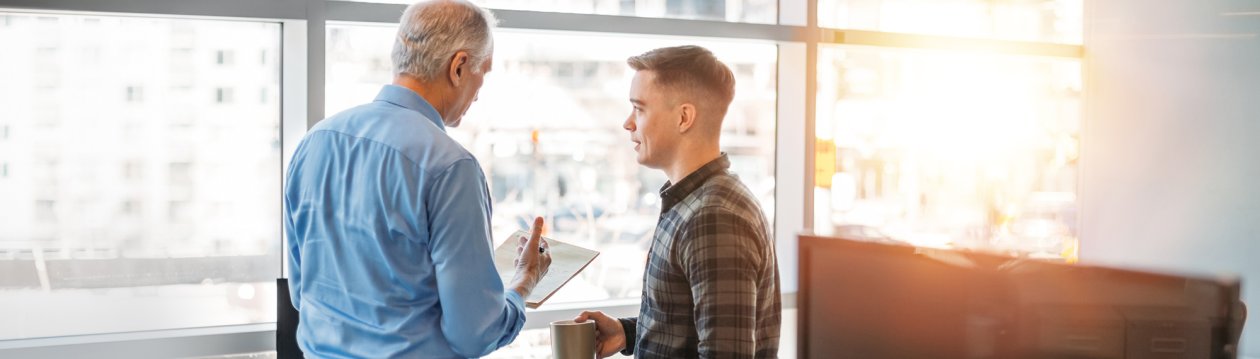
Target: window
178	211
947	149
135	94
755	11
4	170
222	95
80	197
4	132
557	101
1059	21
180	173
183	69
46	210
132	170
130	208
223	57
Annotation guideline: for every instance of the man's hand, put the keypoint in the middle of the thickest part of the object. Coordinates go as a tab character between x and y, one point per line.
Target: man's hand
610	338
532	260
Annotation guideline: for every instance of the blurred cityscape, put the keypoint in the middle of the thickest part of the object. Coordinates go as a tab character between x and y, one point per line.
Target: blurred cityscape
137	156
949	150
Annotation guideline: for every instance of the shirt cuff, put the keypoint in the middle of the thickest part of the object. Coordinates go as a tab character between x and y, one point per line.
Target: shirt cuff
630	327
514	298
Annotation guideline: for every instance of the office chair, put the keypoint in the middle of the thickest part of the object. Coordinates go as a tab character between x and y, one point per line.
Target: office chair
286	323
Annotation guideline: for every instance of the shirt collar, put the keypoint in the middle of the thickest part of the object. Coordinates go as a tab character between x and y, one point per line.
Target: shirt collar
408	99
671	194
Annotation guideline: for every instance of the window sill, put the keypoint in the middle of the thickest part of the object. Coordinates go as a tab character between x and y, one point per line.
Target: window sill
190	342
250	338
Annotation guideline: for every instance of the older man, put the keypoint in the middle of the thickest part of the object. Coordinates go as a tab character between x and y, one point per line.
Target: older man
712	284
388	218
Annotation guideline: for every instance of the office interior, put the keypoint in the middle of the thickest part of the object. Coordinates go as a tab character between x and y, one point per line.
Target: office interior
143	145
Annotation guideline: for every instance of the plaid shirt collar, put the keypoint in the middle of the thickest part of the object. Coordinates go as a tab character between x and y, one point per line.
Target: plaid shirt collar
671	194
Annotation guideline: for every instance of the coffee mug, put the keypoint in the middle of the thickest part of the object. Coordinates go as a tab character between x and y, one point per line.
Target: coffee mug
573	340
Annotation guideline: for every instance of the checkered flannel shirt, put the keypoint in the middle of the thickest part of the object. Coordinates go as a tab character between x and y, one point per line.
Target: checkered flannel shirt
711	286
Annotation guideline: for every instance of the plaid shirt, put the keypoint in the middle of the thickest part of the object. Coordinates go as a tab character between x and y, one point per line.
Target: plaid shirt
711	287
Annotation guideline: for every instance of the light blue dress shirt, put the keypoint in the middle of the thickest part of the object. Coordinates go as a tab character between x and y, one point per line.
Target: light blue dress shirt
388	221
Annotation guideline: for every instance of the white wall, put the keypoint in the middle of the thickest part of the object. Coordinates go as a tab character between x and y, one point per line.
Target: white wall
1171	147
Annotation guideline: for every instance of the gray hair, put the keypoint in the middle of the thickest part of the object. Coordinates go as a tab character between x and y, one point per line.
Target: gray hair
430	32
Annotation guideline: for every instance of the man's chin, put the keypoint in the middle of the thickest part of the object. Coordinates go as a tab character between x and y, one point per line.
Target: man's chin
645	162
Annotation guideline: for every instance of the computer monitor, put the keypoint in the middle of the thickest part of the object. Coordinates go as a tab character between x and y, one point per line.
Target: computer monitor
878	300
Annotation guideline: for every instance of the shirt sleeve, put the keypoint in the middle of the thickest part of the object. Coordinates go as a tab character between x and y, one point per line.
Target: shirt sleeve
631	327
294	261
477	315
721	257
293	239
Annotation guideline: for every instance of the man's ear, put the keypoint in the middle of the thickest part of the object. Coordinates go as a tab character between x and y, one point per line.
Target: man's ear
686	117
459	67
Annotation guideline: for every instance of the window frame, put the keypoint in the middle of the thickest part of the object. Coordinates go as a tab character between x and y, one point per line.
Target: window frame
303	26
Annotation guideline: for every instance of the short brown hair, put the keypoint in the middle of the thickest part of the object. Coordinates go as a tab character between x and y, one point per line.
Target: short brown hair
692	69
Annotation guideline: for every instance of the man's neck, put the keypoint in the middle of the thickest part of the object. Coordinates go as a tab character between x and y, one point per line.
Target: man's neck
691	159
431	93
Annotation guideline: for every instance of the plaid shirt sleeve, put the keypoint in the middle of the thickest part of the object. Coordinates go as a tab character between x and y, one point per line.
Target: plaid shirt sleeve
721	259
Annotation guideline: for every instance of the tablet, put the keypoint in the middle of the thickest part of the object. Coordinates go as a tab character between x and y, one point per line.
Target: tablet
567	261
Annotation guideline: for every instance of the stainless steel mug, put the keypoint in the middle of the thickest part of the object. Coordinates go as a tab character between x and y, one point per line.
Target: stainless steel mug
572	340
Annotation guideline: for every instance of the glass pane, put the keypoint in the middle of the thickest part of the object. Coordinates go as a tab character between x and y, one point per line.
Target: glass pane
754	11
1057	21
136	196
547	130
948	150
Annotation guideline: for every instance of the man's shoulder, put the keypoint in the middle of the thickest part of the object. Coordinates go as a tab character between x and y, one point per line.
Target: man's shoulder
724	206
722	213
408	133
724	192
